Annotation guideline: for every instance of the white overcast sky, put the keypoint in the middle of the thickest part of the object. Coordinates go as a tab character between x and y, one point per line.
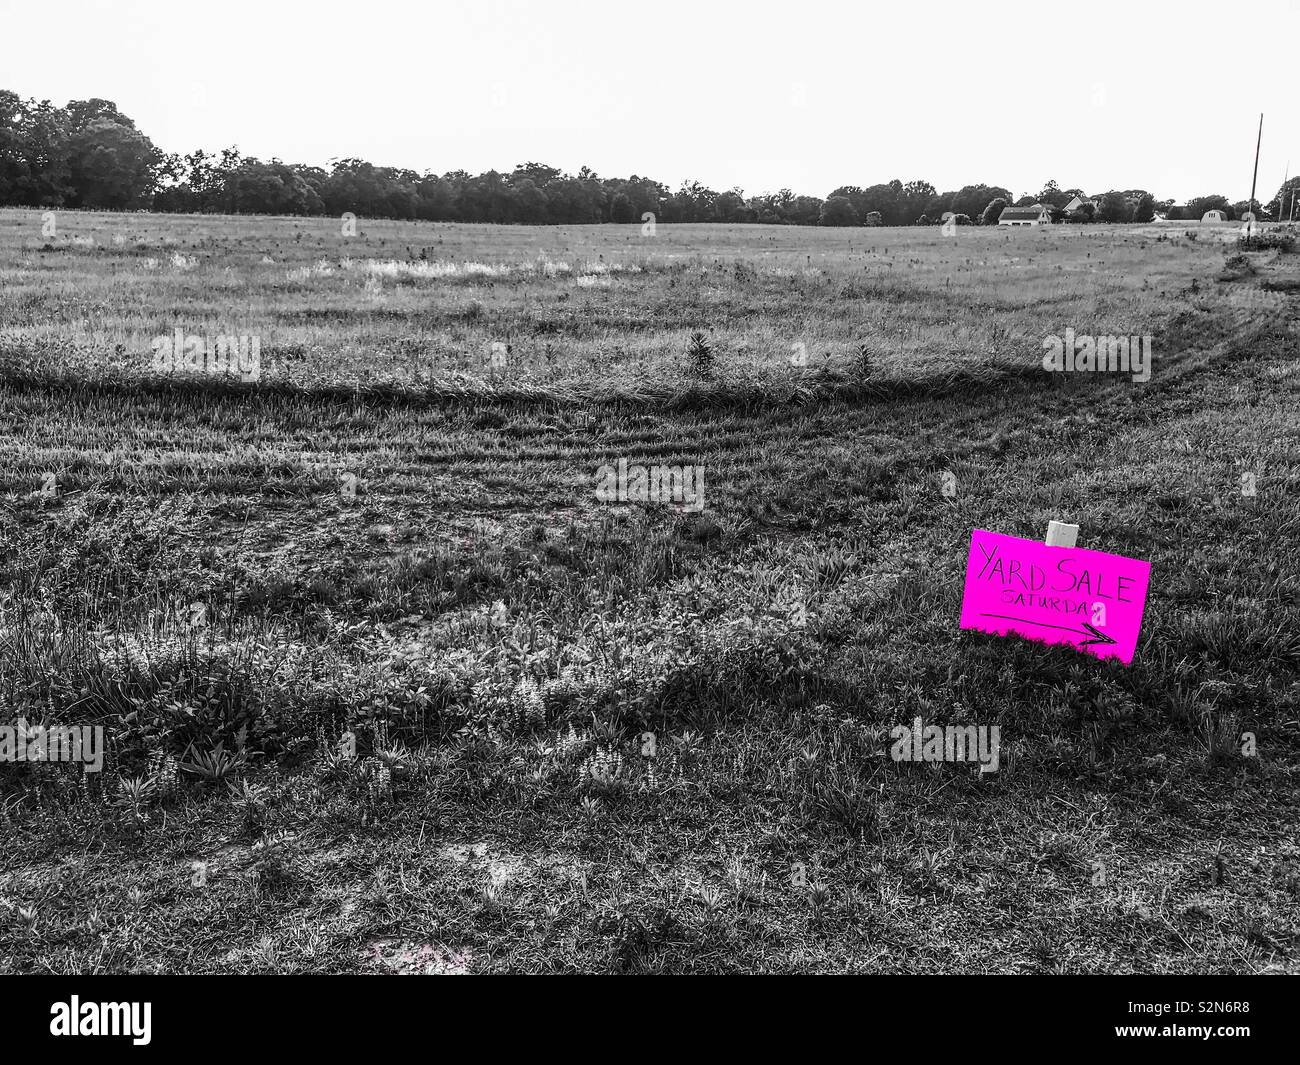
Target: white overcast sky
807	95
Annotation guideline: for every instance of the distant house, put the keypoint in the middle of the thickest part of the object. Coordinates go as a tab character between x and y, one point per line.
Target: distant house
1212	216
1074	204
1036	215
1158	217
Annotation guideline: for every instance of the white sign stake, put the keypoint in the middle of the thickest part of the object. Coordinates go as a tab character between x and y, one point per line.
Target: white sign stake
1059	534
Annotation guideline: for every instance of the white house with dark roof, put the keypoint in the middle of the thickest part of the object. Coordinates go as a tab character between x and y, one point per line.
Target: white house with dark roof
1035	215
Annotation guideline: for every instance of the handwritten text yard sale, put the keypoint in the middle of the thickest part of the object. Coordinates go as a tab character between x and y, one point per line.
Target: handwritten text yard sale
1069	574
1089	599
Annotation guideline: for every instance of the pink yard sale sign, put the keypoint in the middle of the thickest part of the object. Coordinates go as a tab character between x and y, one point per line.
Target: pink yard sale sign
1088	599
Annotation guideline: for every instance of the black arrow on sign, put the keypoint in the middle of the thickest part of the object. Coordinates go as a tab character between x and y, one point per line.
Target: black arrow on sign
1097	635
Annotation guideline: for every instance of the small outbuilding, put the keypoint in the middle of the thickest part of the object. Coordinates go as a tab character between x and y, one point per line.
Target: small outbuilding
1213	216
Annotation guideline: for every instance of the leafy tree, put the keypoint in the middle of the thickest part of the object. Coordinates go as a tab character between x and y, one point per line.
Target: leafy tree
539	174
1142	205
772	208
530	202
271	188
34	163
111	164
14	171
694	203
730	207
1053	196
990	215
1286	204
806	210
969	200
916	196
890	200
838	211
195	182
1114	207
1197	206
621	210
436	199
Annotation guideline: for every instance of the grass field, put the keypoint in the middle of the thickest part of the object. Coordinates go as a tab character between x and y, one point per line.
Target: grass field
394	534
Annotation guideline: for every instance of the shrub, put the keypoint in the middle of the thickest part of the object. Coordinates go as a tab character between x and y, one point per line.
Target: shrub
993	212
1275	239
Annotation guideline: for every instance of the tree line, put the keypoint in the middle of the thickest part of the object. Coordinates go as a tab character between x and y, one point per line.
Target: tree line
90	155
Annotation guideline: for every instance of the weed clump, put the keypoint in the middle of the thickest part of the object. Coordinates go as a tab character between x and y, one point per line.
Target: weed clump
1236	266
864	363
700	356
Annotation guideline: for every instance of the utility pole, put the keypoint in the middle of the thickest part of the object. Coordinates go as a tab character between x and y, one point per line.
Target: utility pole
1255	175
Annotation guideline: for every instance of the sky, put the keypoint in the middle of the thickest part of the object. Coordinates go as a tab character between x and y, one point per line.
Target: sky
808	96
